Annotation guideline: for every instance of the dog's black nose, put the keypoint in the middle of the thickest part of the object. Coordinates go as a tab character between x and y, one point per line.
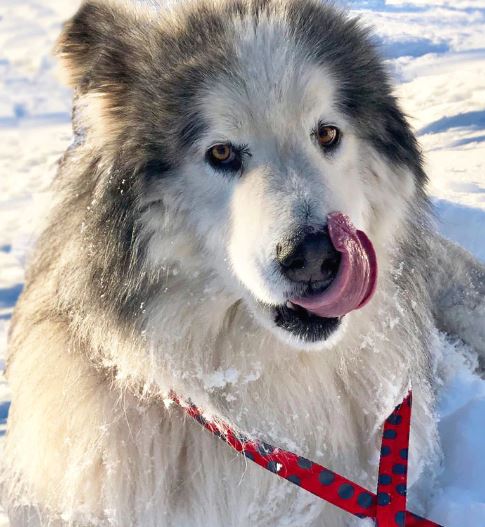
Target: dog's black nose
309	258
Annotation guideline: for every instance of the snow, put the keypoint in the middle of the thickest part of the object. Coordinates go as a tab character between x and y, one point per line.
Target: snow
436	53
220	378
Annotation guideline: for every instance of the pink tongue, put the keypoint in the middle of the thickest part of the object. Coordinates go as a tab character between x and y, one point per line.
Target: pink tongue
356	278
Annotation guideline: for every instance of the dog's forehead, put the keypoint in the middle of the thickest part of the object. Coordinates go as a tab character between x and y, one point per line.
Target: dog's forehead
274	83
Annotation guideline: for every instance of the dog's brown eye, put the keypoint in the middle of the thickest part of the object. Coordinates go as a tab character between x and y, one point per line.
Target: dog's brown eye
225	156
221	153
327	135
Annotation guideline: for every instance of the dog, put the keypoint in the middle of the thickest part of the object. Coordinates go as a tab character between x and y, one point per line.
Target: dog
242	218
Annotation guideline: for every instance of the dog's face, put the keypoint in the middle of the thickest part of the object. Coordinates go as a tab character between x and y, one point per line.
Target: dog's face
279	129
275	159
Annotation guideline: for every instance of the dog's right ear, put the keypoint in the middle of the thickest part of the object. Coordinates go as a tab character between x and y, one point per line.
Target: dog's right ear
93	45
103	53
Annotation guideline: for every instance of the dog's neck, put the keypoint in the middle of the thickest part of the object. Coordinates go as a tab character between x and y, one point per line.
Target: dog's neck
224	360
227	363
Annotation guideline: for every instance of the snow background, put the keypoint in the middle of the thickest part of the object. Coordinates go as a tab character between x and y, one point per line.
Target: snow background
436	54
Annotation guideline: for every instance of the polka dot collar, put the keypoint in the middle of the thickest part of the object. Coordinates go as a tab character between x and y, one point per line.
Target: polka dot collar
387	506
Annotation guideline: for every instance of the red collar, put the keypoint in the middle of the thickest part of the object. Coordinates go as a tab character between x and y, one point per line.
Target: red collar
387	507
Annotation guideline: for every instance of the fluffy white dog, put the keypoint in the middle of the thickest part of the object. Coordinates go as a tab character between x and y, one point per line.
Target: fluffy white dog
242	219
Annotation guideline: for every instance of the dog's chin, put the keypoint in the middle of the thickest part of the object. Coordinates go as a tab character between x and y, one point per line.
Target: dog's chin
297	327
304	327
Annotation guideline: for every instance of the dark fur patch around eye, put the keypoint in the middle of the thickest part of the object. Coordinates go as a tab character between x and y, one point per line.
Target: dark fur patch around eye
148	77
344	47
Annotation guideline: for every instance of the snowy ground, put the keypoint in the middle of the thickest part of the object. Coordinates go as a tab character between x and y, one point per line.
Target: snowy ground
436	52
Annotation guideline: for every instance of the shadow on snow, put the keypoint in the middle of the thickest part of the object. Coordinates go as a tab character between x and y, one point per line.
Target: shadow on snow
8	299
473	120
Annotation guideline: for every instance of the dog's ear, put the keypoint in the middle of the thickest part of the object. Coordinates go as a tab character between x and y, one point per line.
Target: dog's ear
103	52
94	45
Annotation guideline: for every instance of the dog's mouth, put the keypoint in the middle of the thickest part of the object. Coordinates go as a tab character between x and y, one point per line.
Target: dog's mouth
303	324
314	316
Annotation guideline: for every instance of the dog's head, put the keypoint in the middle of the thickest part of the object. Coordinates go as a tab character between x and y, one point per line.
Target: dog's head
255	140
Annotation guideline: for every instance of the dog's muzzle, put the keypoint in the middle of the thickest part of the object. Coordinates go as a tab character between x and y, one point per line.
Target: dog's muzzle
333	271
